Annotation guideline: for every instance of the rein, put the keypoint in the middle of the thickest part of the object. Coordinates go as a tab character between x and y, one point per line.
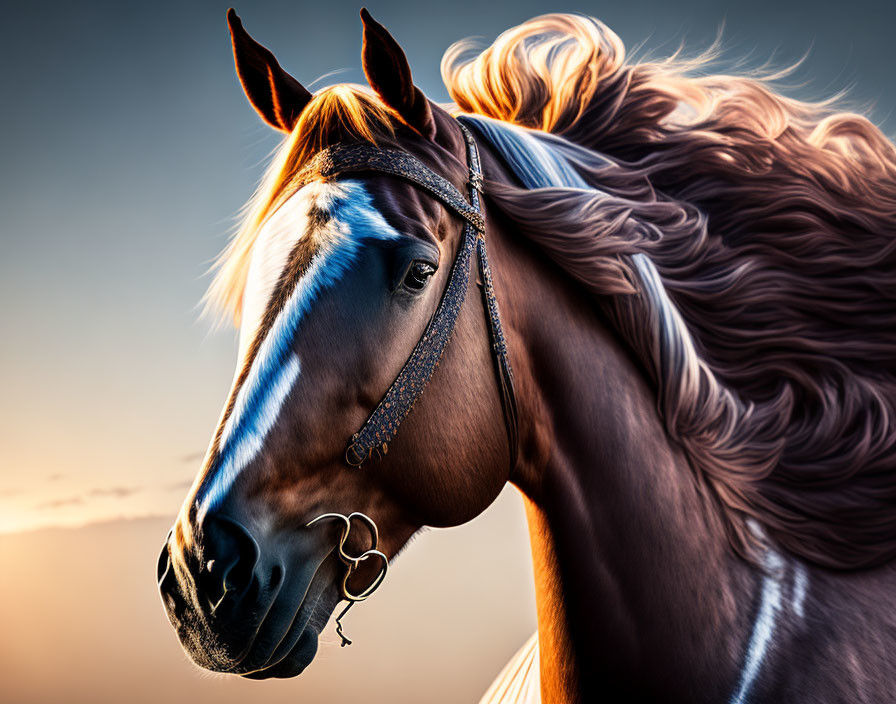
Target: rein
373	439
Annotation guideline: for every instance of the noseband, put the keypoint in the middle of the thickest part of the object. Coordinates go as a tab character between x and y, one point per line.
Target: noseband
373	439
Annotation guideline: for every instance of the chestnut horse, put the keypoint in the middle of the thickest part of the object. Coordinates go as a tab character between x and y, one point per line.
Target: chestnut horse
691	279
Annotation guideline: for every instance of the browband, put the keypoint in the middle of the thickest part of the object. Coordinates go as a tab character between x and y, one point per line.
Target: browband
346	158
377	432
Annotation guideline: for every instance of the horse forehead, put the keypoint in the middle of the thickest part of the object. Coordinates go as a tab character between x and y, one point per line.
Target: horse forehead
321	210
378	201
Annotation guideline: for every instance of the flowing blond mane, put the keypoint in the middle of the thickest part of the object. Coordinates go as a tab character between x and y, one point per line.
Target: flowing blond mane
568	74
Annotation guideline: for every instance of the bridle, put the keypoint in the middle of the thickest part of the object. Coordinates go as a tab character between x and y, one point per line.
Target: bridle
377	432
373	439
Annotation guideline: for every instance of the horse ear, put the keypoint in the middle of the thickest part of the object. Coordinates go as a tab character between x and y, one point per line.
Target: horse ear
388	73
276	96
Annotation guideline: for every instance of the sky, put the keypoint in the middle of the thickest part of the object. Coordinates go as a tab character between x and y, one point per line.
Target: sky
128	148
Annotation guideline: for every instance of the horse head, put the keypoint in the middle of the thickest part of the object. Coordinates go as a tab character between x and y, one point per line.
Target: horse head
335	279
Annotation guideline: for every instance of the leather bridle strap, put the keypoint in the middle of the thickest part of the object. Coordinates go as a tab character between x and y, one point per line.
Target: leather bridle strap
377	432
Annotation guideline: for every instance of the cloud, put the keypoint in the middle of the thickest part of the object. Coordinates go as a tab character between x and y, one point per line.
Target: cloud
6	493
179	486
62	503
118	492
115	492
192	457
56	477
99	493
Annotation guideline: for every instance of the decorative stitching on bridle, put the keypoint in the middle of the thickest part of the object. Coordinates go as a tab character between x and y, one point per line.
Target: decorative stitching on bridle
377	432
346	158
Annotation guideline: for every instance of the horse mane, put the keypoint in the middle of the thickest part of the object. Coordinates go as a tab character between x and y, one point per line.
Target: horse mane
743	243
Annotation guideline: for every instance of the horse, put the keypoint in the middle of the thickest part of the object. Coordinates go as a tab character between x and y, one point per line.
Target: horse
660	304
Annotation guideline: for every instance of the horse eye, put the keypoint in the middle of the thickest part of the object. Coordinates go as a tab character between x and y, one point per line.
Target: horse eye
418	275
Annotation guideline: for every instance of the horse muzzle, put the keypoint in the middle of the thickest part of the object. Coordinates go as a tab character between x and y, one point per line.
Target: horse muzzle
254	604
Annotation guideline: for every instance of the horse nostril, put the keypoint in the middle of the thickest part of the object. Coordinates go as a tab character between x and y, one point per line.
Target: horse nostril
230	555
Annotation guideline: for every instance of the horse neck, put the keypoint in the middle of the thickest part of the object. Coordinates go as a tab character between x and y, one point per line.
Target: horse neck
638	592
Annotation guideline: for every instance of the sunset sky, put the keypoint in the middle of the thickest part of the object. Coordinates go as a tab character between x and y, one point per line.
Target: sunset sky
128	148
